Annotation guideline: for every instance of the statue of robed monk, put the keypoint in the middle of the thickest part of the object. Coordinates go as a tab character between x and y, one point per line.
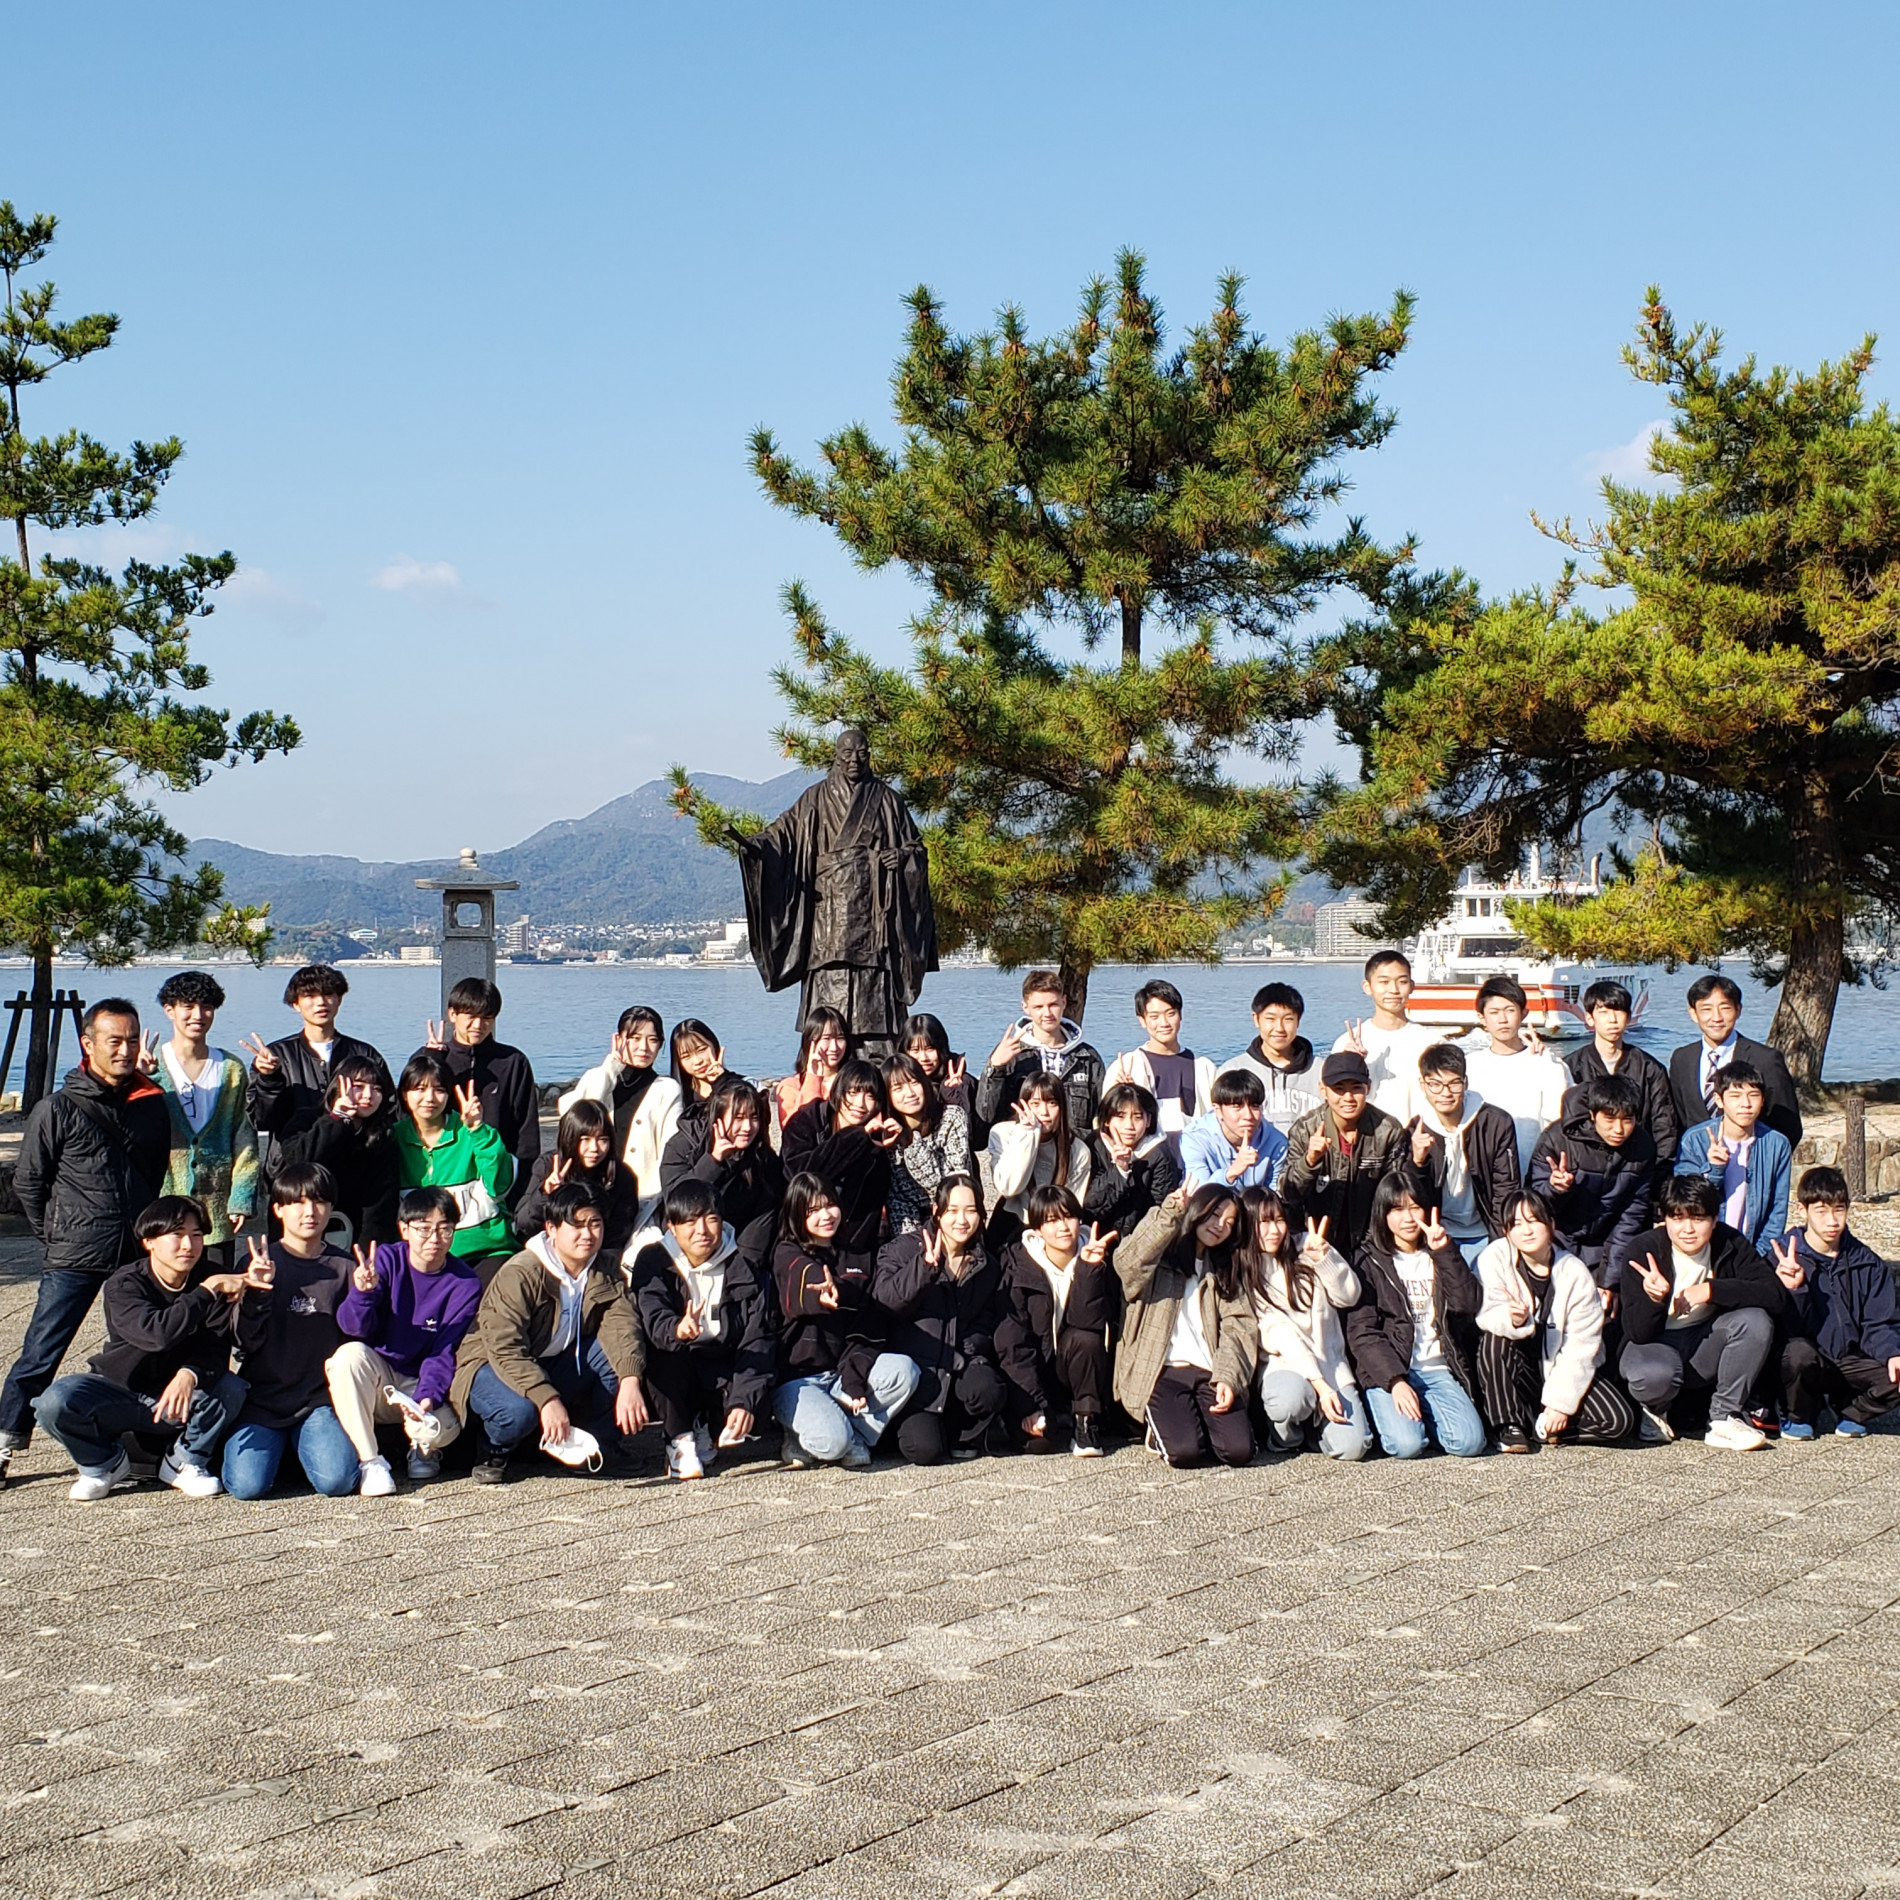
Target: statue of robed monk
837	897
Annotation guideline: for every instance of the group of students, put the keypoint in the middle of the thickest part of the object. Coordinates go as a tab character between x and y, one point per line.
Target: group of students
1410	1240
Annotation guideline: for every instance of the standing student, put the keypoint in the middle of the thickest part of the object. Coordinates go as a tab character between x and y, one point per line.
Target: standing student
1338	1154
1280	1056
585	1150
1389	1040
1845	1321
1748	1161
1189	1340
1540	1339
1698	1307
1130	1173
941	1293
1234	1143
697	1062
355	1140
291	1077
927	1043
1413	1334
501	1076
1461	1152
554	1345
644	1104
933	1142
1527	1084
214	1148
287	1332
1041	1041
1035	1146
93	1155
1597	1167
1055	1338
839	1386
409	1307
823	1050
728	1148
1607	1007
1180	1081
848	1142
444	1139
706	1323
1715	1007
1300	1296
166	1362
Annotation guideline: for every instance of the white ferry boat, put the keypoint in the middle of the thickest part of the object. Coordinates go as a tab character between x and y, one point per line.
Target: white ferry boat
1476	939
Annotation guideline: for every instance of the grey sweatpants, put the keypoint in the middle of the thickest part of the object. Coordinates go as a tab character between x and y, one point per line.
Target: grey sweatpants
1725	1352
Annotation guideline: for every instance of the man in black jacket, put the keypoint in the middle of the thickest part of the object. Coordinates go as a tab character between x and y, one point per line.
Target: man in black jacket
1607	1008
1473	1186
94	1154
503	1076
1715	1006
1041	1041
288	1078
1597	1165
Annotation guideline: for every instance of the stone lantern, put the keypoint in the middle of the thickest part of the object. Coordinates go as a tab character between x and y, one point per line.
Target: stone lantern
468	920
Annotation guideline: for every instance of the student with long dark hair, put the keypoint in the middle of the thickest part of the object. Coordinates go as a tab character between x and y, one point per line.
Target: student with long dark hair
823	1049
1189	1336
1413	1335
847	1141
644	1104
1033	1146
839	1388
942	1291
584	1150
927	1043
697	1062
1056	1339
355	1139
728	1149
444	1139
1301	1292
933	1141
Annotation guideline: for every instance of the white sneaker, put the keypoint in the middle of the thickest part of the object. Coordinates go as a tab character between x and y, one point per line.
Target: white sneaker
376	1480
1655	1428
704	1446
187	1475
682	1457
857	1455
424	1465
91	1490
1735	1434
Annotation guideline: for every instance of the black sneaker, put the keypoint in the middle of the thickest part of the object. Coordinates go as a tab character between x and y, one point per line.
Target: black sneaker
491	1467
1766	1419
1513	1438
6	1458
1085	1441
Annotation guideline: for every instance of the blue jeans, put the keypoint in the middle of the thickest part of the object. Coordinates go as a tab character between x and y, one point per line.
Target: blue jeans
587	1390
808	1408
1289	1399
87	1414
253	1453
1449	1415
65	1298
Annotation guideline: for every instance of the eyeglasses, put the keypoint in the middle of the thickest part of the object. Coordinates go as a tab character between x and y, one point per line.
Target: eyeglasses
428	1229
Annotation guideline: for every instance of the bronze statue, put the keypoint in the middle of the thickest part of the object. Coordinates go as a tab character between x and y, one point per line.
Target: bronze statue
837	896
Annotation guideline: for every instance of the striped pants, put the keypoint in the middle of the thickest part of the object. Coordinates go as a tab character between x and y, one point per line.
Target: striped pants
1511	1384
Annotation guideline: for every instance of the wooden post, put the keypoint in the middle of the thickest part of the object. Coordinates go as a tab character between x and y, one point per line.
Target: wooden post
1854	1148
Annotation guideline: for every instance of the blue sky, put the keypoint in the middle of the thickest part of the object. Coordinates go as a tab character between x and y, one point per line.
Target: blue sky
464	313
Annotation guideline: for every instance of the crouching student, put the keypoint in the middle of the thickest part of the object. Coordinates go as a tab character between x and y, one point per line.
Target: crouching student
1540	1340
1300	1295
705	1320
165	1366
1413	1334
287	1332
1698	1306
1846	1349
1189	1338
1054	1338
838	1387
1595	1168
554	1346
942	1293
409	1307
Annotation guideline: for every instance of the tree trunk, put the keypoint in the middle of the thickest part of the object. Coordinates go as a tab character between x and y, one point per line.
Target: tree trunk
1131	647
1075	987
37	1082
1815	946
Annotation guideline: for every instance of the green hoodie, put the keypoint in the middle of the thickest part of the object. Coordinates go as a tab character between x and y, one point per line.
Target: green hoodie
474	1166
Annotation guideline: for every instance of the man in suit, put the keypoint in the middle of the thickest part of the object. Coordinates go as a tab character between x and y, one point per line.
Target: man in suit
1715	1006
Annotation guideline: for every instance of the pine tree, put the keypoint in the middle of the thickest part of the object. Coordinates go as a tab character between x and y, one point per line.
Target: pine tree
1096	485
89	666
1741	710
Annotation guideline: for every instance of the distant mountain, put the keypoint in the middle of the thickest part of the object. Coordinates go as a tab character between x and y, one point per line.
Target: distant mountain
634	861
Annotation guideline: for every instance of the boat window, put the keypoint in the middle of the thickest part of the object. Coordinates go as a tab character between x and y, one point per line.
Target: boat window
1490	946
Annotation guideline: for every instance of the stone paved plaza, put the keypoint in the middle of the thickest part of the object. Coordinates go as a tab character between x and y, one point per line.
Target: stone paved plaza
1657	1672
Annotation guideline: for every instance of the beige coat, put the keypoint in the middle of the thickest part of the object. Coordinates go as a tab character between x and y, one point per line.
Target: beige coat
1154	1289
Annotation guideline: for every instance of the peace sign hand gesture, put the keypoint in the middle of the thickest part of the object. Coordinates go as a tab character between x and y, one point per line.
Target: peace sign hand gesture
148	1052
1433	1230
1656	1283
364	1277
260	1270
1314	1249
933	1247
1421	1141
691	1324
1788	1268
953	1071
556	1175
1008	1049
470	1105
828	1295
1356	1035
1098	1244
258	1050
1563	1177
435	1035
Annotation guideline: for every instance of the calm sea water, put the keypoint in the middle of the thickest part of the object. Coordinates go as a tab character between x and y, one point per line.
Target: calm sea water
564	1014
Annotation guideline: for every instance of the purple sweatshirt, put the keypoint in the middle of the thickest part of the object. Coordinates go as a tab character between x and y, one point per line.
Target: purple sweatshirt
415	1320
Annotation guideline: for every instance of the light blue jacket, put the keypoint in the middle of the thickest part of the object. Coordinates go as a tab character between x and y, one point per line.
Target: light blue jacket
1207	1154
1770	1176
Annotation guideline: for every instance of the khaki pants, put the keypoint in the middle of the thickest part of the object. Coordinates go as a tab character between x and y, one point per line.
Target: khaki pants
357	1375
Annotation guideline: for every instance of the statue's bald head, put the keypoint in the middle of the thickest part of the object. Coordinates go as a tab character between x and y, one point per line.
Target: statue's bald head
852	757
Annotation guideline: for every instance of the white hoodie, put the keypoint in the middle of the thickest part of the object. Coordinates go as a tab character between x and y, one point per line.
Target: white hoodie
705	1286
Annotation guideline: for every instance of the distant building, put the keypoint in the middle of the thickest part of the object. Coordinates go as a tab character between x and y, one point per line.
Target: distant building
1344	929
514	937
734	947
420	953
